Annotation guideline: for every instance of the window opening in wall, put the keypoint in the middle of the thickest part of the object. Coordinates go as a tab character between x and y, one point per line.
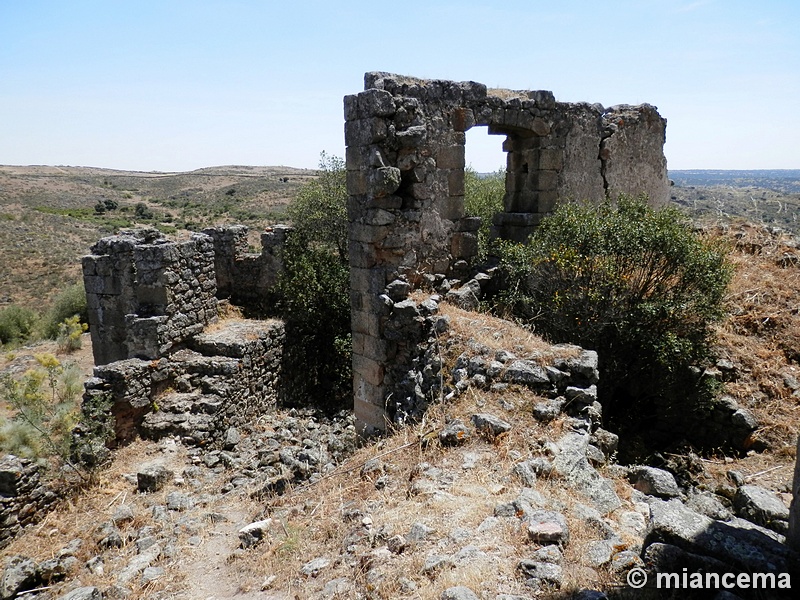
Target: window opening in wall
485	182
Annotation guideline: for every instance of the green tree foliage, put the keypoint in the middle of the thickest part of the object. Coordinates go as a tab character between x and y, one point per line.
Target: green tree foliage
483	197
313	294
16	324
634	283
319	211
67	304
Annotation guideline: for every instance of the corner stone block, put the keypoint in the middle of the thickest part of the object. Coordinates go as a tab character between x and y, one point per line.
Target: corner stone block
351	107
365	322
452	208
369	415
463	119
369	346
451	157
362	256
360	232
455	182
546	201
371	370
357	182
464	245
369	281
363	132
375	103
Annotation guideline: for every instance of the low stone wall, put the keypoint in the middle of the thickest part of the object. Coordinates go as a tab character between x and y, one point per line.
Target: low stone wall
24	499
245	278
227	376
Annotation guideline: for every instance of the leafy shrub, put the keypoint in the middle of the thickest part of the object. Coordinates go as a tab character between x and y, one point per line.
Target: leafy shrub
483	197
69	334
143	212
314	301
634	283
313	293
16	324
70	302
44	402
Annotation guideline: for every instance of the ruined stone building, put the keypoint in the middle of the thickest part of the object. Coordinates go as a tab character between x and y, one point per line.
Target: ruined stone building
163	364
151	300
405	142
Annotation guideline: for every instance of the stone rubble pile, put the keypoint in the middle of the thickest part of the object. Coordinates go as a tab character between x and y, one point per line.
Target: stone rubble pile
139	540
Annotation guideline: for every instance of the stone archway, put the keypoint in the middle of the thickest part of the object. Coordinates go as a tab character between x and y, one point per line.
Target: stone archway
405	161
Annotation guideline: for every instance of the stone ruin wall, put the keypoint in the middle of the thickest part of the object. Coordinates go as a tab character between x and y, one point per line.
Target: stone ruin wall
146	295
405	162
165	366
24	498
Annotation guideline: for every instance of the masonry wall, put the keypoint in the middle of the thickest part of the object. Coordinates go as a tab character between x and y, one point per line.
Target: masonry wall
244	277
405	163
224	378
146	294
24	499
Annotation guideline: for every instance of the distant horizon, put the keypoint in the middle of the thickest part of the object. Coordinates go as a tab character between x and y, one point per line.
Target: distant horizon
287	166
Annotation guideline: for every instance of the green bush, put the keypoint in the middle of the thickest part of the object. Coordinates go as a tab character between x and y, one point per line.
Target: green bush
313	293
634	283
70	302
483	197
16	324
44	402
314	301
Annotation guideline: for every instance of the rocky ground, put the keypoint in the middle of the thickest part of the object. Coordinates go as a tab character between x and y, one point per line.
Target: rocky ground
507	490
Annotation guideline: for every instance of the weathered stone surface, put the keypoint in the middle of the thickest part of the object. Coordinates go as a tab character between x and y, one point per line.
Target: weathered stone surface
547	527
672	523
548	410
458	593
761	506
152	477
314	567
467	296
252	534
454	433
544	572
525	372
490	425
19	574
572	464
654	482
83	593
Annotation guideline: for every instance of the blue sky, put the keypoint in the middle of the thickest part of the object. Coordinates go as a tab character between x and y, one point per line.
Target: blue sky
176	85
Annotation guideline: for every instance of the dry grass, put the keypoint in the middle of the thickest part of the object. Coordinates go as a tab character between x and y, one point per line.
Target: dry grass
497	334
78	516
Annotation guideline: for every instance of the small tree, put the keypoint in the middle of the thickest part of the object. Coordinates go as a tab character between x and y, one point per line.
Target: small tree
71	301
16	324
319	211
44	403
634	283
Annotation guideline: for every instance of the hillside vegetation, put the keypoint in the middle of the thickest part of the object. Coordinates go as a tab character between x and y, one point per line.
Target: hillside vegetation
50	216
